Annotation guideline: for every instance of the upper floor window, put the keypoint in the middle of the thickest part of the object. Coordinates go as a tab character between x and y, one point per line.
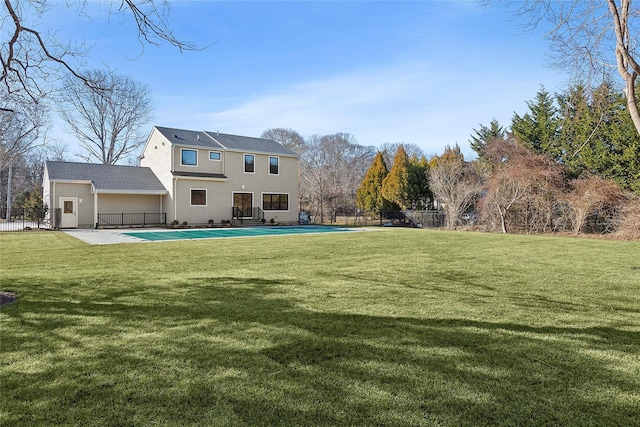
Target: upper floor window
189	157
273	165
249	163
214	155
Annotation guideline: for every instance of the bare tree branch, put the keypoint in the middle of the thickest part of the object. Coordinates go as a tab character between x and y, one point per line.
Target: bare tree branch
108	123
33	60
592	38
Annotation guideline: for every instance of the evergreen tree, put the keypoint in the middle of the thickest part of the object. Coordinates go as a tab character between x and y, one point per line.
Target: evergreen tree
419	193
485	135
369	194
34	207
598	136
539	128
395	186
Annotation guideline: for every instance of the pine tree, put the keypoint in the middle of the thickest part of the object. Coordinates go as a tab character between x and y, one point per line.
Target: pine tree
538	128
419	193
484	135
34	207
395	187
369	194
598	136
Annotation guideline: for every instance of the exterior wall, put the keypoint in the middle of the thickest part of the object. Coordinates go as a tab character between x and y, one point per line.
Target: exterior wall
46	191
85	200
260	182
205	165
218	201
157	155
129	203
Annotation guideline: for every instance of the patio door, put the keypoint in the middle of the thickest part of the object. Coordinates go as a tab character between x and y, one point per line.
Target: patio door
243	205
69	207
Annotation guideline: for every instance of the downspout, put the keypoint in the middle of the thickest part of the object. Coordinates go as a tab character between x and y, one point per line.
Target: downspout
174	179
95	206
52	213
175	203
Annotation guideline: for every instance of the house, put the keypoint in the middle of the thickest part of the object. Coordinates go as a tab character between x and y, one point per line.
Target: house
186	176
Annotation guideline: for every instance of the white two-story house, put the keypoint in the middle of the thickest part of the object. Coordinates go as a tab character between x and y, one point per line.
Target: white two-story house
210	175
185	176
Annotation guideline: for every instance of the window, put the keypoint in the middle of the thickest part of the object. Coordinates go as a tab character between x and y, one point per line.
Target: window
198	197
273	165
190	157
249	163
275	202
214	155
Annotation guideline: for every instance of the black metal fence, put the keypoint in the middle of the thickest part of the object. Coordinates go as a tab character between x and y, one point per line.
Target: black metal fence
418	219
129	219
17	220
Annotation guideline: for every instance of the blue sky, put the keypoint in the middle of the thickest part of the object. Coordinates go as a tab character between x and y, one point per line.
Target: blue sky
420	72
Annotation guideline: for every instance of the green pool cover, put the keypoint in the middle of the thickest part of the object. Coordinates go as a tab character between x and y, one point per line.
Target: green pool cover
217	233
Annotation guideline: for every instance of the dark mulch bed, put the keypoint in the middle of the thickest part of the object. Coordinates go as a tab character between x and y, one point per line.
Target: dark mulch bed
7	298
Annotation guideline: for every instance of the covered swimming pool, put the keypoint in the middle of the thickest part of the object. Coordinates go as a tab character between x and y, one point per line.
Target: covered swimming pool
219	233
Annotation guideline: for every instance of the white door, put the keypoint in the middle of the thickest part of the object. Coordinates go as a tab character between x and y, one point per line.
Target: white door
69	207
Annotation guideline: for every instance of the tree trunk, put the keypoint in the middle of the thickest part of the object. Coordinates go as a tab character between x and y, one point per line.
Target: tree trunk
628	68
503	223
9	178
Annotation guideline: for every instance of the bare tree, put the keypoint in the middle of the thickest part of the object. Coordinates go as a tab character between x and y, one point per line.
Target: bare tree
22	128
454	184
332	168
521	187
109	123
592	38
287	137
34	58
314	169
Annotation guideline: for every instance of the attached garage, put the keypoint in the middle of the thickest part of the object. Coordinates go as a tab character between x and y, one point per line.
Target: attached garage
91	195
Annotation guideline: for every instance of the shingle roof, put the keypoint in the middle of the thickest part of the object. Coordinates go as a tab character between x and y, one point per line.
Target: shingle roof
107	177
222	141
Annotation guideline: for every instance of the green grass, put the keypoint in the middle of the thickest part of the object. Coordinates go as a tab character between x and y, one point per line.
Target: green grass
394	327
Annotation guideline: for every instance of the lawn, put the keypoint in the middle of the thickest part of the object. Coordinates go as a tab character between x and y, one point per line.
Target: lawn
393	327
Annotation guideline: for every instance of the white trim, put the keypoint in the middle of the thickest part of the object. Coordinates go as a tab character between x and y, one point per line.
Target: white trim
95	209
183	164
140	192
206	196
275	210
75	212
71	181
215	160
244	163
200	178
269	165
253	198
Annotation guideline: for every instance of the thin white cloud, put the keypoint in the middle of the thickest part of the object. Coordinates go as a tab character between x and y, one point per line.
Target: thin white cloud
410	102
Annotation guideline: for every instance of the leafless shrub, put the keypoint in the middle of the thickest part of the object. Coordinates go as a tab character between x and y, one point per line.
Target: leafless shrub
522	188
628	224
593	197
